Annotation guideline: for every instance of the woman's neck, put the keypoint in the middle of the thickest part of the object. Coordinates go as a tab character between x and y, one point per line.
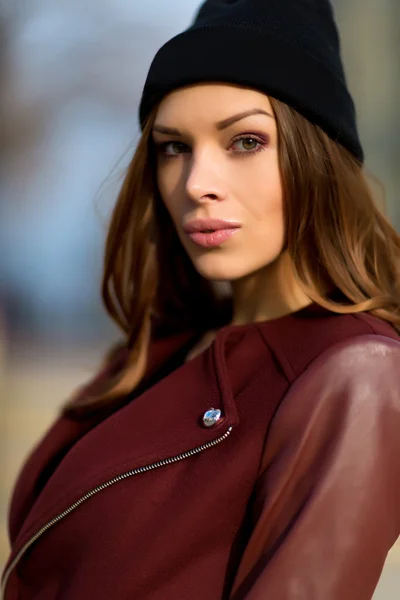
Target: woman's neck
269	293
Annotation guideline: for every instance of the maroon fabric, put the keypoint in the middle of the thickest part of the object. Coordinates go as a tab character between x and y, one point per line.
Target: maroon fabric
184	529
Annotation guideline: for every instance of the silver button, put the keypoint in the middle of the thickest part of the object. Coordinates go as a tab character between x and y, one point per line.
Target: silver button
211	417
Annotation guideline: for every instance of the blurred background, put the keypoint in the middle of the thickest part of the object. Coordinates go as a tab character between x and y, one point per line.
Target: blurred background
71	74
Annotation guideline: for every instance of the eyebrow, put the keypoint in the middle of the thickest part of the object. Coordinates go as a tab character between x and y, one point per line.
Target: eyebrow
220	125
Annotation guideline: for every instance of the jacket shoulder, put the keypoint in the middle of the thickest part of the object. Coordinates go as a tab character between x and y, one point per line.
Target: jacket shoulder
368	360
297	341
332	449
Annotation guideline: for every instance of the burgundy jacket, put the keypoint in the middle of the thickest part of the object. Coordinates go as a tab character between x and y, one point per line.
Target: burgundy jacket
293	493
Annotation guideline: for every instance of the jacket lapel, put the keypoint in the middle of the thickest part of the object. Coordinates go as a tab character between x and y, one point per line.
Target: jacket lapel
163	422
66	432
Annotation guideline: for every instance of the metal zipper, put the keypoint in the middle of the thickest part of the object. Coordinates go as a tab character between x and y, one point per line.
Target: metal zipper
101	487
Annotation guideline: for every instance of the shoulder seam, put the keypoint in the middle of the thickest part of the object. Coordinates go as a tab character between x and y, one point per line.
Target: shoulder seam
282	367
351	342
359	318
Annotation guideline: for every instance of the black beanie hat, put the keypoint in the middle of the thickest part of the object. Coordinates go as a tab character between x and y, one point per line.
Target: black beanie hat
288	49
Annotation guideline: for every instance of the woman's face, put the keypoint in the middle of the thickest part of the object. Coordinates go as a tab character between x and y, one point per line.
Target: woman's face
217	159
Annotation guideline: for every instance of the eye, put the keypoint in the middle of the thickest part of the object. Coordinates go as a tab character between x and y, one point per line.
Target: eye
245	145
172	148
249	144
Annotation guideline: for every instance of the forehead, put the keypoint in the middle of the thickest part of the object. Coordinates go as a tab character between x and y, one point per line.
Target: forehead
209	101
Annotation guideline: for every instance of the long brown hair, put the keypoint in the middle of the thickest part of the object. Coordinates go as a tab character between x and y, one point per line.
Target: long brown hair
336	236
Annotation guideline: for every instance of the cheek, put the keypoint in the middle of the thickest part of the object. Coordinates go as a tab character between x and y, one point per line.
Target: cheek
167	185
263	194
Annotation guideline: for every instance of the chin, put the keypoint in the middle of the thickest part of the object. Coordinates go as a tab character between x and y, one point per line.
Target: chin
220	269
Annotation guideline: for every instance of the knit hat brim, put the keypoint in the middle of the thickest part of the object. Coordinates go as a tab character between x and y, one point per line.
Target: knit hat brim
226	54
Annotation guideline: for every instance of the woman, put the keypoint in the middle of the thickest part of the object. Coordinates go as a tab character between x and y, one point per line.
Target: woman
242	441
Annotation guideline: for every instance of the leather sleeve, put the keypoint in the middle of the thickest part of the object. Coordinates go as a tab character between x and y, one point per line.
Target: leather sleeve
327	503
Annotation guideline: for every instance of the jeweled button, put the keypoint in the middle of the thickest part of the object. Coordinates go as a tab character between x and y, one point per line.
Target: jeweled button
211	417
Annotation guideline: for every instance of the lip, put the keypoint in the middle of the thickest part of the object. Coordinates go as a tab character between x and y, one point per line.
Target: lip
221	230
203	225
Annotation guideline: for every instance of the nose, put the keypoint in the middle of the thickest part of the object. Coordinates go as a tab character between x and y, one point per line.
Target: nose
204	181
